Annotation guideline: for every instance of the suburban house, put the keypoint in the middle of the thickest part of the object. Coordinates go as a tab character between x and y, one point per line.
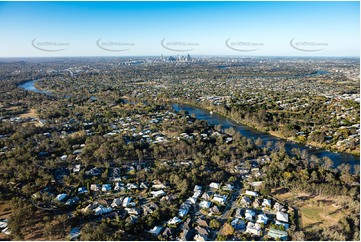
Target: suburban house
214	185
262	218
285	225
249	214
127	201
202	222
238	224
156	230
221	199
82	190
117	202
174	220
202	231
251	193
204	204
207	195
95	187
253	228
246	201
101	210
281	216
61	197
182	212
106	187
158	193
200	237
266	203
277	234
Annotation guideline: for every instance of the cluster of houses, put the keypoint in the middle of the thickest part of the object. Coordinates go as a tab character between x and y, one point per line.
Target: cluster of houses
260	217
192	222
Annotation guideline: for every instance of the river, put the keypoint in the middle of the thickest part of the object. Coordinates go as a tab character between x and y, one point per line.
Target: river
215	119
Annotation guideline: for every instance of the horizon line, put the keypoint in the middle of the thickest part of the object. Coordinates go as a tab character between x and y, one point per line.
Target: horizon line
197	55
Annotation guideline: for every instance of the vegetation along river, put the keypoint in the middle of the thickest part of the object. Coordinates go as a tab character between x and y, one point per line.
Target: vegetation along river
215	119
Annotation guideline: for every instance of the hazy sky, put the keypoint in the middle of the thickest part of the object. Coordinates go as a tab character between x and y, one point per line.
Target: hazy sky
262	28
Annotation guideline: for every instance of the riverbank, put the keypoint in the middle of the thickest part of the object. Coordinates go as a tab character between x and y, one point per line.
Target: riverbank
246	129
273	133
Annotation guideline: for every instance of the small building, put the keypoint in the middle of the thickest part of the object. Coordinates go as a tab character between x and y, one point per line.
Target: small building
228	187
207	195
281	216
187	235
72	201
182	212
277	234
197	188
215	210
95	187
262	218
61	197
118	186
106	187
102	210
202	222
221	199
74	233
82	190
246	201
249	214
278	207
238	224
200	237
77	168
267	203
158	193
197	194
285	225
202	231
253	228
192	200
214	185
117	202
174	220
156	230
251	193
238	213
204	204
127	201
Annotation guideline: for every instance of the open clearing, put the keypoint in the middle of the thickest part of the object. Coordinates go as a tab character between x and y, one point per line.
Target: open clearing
31	113
315	210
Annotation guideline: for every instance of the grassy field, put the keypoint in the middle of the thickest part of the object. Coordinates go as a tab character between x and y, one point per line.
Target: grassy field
314	211
31	113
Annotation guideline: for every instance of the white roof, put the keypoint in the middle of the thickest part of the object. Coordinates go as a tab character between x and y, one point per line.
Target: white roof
214	185
126	201
205	204
197	188
192	200
61	196
156	230
101	210
157	193
262	218
251	193
116	202
182	212
174	220
283	217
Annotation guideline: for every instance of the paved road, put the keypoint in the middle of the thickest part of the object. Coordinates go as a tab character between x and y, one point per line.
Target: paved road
231	204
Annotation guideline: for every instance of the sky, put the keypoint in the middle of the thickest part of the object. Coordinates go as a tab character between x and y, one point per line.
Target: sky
36	29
